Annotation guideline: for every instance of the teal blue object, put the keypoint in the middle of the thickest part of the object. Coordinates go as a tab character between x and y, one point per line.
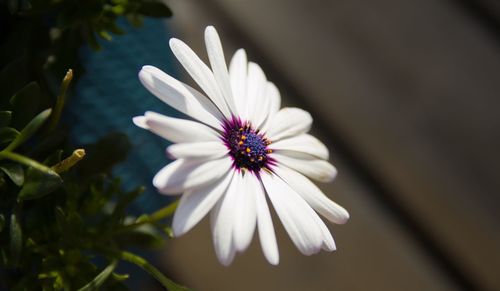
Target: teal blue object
109	94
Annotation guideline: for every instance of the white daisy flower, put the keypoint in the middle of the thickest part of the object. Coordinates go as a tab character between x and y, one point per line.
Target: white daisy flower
241	148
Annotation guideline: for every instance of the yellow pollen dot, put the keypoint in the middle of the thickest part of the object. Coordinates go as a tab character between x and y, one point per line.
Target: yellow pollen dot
240	143
269	151
248	150
243	137
260	158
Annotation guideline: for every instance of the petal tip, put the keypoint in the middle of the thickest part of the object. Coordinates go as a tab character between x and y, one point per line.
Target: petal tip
140	121
241	51
344	217
273	260
210	29
168	152
225	259
147	68
174	43
177	230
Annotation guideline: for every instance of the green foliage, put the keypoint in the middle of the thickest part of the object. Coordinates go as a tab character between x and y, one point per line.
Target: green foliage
60	222
57	28
64	221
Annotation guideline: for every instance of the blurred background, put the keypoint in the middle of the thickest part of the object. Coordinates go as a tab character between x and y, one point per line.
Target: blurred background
406	94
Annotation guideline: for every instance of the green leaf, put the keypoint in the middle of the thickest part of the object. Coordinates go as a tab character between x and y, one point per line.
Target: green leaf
145	265
8	134
104	34
135	20
12	78
2	181
54	158
154	9
75	221
29	130
100	278
25	161
5	117
60	101
115	29
38	184
169	232
60	218
13	6
120	277
90	38
4	257
2	222
145	236
14	171
165	211
25	104
25	5
16	239
123	202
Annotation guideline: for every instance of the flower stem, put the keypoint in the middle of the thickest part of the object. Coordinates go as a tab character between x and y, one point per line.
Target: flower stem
164	212
155	217
61	99
146	266
100	278
69	162
25	161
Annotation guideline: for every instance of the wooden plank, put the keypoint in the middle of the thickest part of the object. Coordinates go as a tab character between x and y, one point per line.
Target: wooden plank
375	252
413	87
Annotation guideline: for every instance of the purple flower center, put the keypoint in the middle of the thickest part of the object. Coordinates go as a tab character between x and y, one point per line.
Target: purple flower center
247	146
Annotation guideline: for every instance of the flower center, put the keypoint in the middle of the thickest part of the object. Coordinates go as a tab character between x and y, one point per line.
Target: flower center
247	146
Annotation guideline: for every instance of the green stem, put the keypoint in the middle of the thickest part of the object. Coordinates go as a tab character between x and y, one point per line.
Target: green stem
61	99
69	162
153	218
100	278
24	160
146	266
29	130
164	212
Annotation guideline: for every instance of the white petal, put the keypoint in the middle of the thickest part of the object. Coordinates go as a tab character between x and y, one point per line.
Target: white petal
245	213
180	96
328	242
273	94
223	223
195	204
304	143
182	175
265	227
179	130
238	76
313	195
316	169
140	121
197	150
257	104
289	121
274	103
219	67
295	214
200	73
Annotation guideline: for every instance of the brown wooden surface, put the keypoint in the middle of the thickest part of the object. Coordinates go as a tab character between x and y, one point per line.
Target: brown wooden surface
412	88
